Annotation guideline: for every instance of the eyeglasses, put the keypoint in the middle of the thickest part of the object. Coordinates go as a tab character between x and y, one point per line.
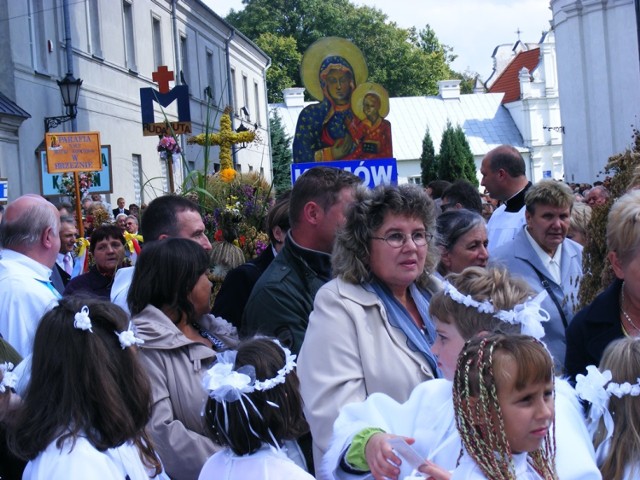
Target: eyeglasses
398	239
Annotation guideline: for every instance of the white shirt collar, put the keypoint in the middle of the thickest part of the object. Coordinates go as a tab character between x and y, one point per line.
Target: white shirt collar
551	263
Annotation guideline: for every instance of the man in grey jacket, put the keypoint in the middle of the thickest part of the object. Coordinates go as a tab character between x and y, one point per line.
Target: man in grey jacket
542	254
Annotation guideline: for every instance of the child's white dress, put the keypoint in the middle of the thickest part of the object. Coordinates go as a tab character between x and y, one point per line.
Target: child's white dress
428	417
86	462
268	463
469	470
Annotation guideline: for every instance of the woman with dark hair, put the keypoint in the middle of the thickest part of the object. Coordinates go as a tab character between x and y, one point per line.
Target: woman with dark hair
462	238
254	407
88	399
377	308
107	249
169	300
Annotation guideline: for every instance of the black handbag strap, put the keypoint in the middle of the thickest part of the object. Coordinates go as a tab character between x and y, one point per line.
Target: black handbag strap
547	287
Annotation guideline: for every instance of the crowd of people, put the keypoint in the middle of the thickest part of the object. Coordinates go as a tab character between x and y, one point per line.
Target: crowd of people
396	332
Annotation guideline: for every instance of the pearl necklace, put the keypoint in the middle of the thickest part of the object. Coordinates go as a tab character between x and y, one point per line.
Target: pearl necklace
624	313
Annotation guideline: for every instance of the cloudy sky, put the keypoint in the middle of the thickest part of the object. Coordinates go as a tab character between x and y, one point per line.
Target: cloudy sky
473	28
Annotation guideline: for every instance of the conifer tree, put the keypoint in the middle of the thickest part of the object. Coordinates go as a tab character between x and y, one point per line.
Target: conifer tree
428	164
455	160
281	156
468	163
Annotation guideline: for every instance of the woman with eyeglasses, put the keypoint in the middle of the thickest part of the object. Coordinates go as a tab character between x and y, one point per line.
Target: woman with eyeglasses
370	329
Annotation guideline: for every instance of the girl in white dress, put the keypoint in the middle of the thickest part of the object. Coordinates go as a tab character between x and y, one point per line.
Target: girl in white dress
88	399
504	409
614	393
254	408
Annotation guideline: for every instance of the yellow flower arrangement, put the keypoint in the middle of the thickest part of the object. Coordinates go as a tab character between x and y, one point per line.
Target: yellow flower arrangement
226	138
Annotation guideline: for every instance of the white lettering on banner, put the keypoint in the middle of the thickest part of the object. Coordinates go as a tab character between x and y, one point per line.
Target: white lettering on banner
381	174
363	173
371	174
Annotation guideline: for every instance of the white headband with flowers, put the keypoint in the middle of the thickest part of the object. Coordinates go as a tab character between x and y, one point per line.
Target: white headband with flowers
529	314
596	388
224	384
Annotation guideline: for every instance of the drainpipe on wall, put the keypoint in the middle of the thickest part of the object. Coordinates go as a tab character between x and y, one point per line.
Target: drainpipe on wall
176	43
68	50
268	126
177	59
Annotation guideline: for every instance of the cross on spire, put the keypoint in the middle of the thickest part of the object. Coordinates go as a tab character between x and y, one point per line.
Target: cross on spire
163	76
518	31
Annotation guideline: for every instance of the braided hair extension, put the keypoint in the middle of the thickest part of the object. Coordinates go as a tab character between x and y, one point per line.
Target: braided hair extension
479	417
477	411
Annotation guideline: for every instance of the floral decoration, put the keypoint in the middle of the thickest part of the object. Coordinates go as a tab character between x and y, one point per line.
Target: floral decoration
239	216
167	147
9	379
82	321
128	337
223	383
66	185
225	139
528	314
592	386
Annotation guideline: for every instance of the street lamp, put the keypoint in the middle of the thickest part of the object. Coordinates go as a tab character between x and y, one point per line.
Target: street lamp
241	128
70	90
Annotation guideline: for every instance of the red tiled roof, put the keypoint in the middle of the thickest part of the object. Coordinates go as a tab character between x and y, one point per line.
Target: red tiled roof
508	81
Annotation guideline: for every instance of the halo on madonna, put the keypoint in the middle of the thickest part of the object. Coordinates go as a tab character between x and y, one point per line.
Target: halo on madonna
327	47
362	91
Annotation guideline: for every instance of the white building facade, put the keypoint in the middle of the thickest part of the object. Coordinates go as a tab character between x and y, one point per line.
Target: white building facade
599	78
114	47
537	114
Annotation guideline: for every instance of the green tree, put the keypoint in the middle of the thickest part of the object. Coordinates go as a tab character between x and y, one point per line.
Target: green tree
406	62
285	60
429	43
466	157
467	80
428	164
455	160
281	157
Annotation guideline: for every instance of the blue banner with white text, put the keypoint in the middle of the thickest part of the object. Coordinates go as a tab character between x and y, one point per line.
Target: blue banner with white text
381	171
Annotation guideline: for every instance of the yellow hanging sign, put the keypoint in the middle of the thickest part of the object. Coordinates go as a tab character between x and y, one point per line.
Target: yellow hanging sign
73	152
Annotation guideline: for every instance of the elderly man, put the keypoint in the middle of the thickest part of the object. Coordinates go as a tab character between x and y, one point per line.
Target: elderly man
281	300
597	195
62	271
542	254
29	235
121	222
503	176
131	224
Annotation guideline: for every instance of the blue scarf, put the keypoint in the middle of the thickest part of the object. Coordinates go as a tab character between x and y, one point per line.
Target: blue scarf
418	340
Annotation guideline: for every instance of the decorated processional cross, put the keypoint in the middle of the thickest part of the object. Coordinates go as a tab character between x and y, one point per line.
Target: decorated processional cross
226	138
